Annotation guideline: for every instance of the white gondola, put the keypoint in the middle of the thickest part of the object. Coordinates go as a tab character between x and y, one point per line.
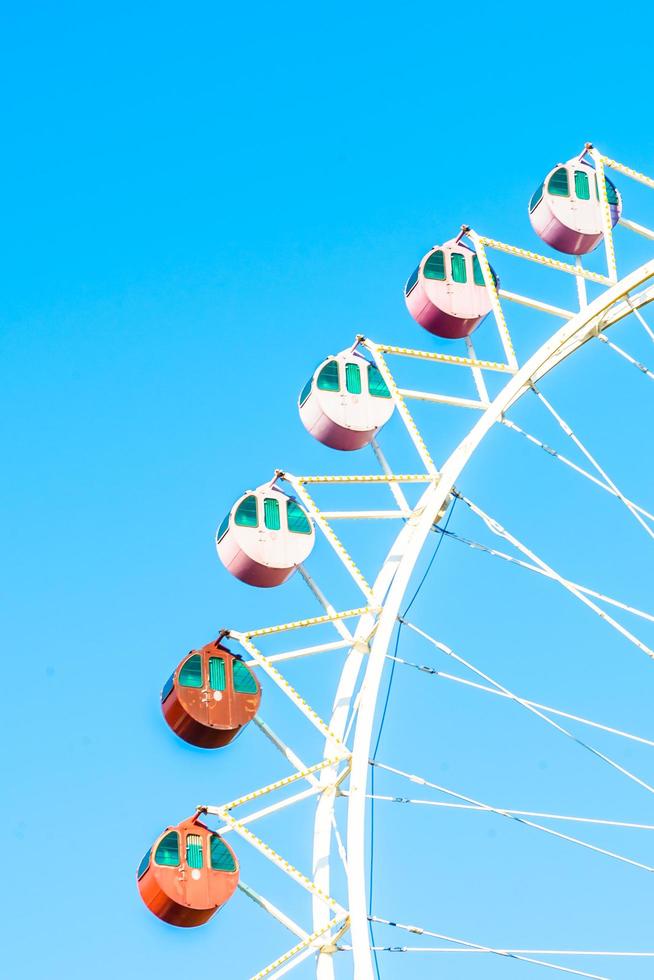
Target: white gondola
345	402
265	536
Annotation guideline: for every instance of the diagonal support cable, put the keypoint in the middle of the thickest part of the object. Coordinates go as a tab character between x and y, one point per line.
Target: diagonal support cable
477	546
591	459
505	813
529	707
568	462
500	531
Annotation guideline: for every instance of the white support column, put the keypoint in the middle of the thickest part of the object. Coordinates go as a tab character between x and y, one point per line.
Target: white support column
581	285
395	489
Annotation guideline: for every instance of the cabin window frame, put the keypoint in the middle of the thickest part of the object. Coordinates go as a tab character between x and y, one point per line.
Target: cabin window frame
353	383
476	267
384	393
182	668
213	658
272	519
412	281
581	178
291	505
435	261
323	381
306	391
224	852
559	191
536	197
223	528
459	265
240	510
164	837
197	842
144	864
238	667
168	688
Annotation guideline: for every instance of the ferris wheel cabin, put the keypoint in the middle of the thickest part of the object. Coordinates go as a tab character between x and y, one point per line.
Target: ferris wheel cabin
265	537
447	294
210	697
345	402
187	875
566	211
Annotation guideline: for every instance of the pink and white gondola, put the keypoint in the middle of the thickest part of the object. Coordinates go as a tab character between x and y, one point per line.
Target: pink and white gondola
566	212
265	536
345	402
447	294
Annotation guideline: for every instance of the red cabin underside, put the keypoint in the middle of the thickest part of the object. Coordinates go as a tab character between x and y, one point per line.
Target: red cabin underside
168	910
191	730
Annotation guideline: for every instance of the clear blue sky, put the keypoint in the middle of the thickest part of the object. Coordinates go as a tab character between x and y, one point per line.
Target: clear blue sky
198	203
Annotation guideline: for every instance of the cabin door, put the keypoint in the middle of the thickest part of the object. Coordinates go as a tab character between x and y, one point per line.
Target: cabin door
217	695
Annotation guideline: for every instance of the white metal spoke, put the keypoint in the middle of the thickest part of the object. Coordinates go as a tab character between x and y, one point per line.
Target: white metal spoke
477	374
497	529
447	805
272	910
632	360
505	813
641	319
591	459
339	625
529	707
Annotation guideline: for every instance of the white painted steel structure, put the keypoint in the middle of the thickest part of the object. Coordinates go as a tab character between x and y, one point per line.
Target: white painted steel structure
344	767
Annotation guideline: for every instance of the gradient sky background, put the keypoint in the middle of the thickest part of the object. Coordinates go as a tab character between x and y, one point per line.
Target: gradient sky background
199	203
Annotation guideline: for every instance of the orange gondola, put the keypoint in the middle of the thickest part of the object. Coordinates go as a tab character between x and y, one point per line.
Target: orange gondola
188	874
210	697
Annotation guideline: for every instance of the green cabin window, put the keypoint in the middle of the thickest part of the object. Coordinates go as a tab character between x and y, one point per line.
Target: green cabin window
306	391
190	674
557	185
328	377
216	673
246	512
145	864
435	266
412	281
611	192
168	687
167	852
297	520
458	267
194	851
222	858
477	274
244	682
271	514
536	198
223	529
353	379
376	384
582	187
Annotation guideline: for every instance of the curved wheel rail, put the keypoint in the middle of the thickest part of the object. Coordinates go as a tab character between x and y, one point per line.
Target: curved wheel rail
393	579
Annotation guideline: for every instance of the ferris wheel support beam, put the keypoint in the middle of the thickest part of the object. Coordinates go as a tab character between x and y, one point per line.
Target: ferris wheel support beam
395	575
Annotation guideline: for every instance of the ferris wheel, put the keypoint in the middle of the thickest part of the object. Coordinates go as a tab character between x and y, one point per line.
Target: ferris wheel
271	532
